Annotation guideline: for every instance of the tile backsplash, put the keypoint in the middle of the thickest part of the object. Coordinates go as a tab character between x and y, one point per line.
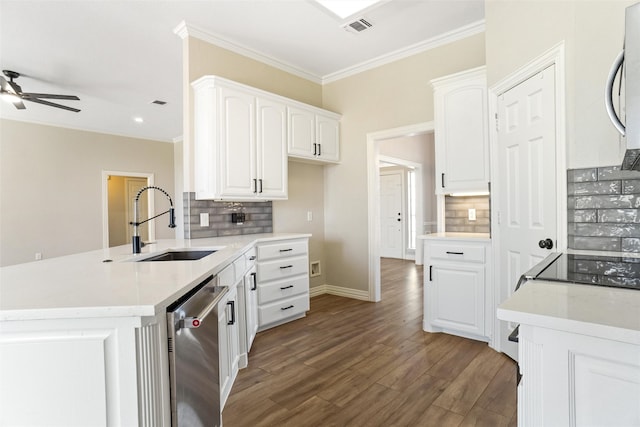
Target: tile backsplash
603	209
258	217
457	214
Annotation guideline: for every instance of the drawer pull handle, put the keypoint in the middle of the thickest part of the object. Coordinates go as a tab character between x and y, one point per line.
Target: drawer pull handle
286	250
286	266
252	258
255	281
455	253
286	308
286	287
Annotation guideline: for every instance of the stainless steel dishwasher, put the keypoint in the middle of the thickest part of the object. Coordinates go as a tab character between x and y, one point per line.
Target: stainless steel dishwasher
193	357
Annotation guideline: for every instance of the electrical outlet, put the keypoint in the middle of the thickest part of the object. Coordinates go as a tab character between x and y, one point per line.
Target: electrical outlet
38	256
309	216
204	219
472	214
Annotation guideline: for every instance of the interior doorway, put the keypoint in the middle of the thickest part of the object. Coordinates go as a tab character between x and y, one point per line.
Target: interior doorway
374	142
119	190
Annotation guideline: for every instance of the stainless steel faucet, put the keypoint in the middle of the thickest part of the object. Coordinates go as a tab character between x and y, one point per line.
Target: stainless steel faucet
137	244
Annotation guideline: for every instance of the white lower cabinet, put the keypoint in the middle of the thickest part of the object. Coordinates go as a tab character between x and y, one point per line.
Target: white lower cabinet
455	278
85	372
569	379
283	281
228	333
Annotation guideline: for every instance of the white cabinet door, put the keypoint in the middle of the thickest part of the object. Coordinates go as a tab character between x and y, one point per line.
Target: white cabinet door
456	297
251	306
229	345
302	135
271	136
313	135
237	143
328	138
461	133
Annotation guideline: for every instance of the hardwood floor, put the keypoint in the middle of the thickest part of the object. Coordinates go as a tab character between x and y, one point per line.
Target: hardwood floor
356	363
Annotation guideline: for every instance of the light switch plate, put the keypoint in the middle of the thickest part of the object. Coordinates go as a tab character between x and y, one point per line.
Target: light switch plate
472	214
204	219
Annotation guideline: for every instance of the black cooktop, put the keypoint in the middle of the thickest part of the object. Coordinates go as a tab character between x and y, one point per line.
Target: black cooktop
612	271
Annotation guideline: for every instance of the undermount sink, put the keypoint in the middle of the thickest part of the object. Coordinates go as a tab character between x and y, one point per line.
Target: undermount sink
179	256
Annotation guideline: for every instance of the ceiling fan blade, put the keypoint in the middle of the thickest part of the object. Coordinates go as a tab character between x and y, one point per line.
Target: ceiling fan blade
48	96
51	104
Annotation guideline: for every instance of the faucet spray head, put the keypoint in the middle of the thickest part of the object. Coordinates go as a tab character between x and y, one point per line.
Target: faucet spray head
172	217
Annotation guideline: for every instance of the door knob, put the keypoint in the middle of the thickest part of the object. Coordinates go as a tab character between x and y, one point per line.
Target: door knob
546	243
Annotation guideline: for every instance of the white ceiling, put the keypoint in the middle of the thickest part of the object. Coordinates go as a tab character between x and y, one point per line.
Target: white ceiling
118	56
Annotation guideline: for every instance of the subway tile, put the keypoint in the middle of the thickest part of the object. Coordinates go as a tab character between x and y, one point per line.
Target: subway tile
625	201
582	175
604	230
614	172
582	215
619	215
592	188
631	245
631	186
595	243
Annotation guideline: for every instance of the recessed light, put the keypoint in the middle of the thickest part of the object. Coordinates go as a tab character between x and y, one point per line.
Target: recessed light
138	119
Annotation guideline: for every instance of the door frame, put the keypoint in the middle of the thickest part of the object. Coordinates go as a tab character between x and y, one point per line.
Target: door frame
105	203
373	195
554	56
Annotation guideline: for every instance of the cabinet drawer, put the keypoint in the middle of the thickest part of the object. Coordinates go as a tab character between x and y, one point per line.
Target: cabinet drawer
282	249
282	289
282	268
283	309
453	252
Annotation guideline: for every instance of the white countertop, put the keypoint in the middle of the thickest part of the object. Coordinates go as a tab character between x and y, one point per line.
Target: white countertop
599	311
82	285
457	236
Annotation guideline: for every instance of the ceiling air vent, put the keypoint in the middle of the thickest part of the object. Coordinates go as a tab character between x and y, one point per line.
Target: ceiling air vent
357	26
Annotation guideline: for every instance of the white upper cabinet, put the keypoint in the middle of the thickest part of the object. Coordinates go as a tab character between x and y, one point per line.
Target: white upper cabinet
314	134
461	132
240	147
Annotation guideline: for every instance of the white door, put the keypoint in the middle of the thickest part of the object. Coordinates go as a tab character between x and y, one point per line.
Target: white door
526	182
328	135
302	133
391	214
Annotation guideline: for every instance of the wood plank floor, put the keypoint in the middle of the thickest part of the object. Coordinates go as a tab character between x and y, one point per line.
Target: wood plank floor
356	363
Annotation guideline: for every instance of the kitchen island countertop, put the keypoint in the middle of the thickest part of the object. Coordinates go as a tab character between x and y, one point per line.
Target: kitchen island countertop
110	283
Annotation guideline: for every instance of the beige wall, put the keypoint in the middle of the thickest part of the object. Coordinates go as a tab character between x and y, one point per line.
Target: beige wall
305	195
593	32
393	95
306	181
417	149
51	189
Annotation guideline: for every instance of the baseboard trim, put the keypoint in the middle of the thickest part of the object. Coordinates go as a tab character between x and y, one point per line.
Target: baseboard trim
339	291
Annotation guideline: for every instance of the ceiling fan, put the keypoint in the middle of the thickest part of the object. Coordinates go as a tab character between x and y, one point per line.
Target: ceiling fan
12	92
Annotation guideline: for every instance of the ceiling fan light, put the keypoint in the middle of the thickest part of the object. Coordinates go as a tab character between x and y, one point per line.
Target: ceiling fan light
10	97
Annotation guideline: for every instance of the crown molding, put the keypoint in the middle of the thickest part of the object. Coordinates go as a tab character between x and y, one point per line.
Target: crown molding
451	36
184	30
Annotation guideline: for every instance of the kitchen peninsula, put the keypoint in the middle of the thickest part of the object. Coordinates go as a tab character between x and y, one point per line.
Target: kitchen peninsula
578	353
83	337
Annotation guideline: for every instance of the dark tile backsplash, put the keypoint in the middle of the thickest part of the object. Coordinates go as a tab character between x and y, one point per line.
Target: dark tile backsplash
604	209
258	217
